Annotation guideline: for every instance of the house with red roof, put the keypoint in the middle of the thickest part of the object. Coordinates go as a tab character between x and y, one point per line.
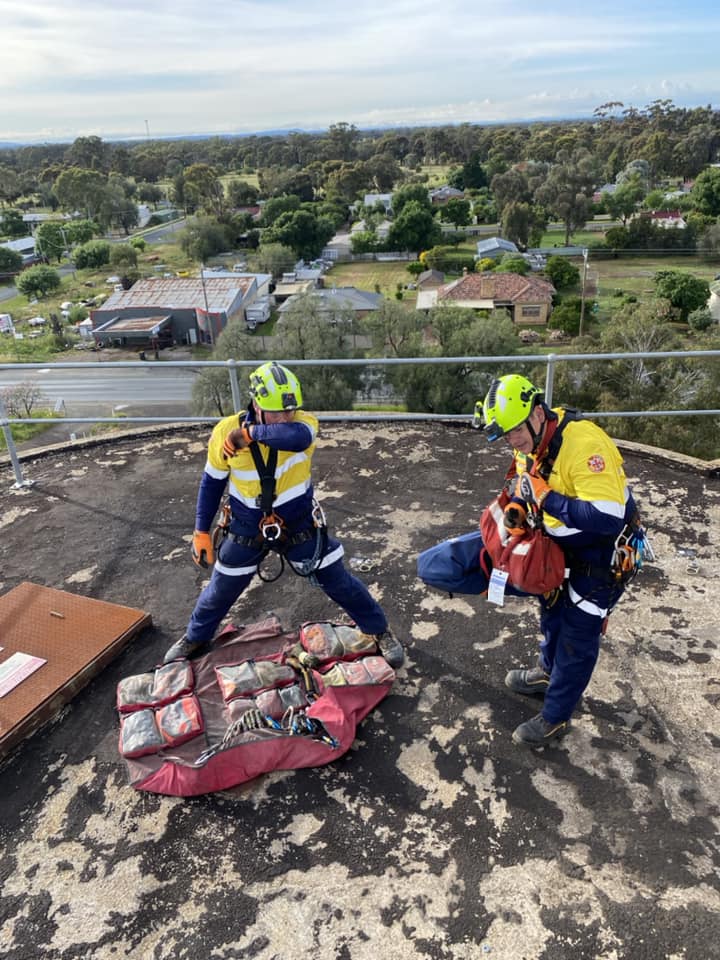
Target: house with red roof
527	299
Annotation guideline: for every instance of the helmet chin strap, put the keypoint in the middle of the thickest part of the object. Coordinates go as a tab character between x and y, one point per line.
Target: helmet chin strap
536	437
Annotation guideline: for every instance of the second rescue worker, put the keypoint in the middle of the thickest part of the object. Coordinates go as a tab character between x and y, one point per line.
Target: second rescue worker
586	504
265	455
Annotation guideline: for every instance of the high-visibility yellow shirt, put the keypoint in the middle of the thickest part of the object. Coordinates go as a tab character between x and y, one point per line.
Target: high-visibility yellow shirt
295	445
589	495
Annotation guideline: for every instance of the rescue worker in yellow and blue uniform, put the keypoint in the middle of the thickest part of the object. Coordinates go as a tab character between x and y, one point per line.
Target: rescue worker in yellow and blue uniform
273	421
586	504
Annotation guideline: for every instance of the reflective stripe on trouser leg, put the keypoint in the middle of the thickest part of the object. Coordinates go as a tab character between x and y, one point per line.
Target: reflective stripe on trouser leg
235	567
342	587
575	635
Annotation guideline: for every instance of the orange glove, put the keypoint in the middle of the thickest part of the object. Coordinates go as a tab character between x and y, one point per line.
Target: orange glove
236	440
514	519
532	489
202	550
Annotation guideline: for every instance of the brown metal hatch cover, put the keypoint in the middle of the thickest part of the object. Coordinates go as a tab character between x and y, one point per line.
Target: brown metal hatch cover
77	636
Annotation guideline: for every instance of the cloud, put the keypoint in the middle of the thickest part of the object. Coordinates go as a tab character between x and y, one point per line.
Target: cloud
190	67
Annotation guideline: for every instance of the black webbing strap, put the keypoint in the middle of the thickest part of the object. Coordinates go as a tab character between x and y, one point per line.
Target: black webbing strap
266	472
547	461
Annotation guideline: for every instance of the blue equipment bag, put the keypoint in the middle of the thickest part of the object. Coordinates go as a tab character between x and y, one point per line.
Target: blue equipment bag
458	565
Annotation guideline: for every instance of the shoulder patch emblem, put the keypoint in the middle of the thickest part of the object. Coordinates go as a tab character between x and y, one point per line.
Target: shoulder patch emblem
596	463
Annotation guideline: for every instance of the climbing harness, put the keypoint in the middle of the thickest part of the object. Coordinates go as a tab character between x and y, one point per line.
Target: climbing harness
273	535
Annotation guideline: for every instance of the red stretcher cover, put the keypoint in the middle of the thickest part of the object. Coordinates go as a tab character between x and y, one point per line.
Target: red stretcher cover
203	748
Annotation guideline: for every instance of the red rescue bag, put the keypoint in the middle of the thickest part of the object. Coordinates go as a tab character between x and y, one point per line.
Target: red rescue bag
534	562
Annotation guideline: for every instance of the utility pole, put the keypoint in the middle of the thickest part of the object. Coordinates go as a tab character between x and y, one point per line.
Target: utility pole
207	309
582	296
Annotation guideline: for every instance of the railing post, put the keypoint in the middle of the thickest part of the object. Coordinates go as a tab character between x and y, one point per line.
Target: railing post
549	379
20	481
235	386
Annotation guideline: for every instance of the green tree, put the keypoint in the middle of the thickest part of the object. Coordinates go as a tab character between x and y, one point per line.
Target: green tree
149	193
10	188
302	231
274	258
566	316
38	281
50	239
80	189
414	228
276	207
240	193
705	193
710	243
92	255
80	231
512	263
395	330
13	225
457	211
410	193
117	209
342	141
204	189
10	260
123	259
700	319
89	152
364	241
684	291
451	332
624	201
567	191
510	187
203	237
561	272
517	223
306	333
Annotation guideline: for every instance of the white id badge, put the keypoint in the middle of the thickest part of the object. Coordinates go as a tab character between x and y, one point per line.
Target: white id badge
496	587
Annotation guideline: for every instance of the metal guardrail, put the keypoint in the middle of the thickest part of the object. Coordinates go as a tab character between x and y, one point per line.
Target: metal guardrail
232	366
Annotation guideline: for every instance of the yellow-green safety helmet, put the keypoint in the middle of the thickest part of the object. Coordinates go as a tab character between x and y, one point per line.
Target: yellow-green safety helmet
509	402
275	388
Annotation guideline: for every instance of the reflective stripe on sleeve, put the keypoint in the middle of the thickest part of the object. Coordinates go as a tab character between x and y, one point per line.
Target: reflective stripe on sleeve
213	472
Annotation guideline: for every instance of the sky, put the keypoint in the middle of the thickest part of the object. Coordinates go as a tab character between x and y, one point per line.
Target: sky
155	68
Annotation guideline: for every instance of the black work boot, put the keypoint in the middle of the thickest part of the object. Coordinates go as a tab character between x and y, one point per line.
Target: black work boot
530	682
536	732
391	648
185	649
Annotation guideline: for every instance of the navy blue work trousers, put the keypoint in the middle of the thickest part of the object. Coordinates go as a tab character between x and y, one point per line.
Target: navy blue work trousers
237	564
571	628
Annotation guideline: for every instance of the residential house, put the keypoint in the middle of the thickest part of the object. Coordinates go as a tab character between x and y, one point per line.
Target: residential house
371	199
292	285
430	279
337	302
528	300
191	310
605	188
25	246
494	247
440	195
667	219
381	231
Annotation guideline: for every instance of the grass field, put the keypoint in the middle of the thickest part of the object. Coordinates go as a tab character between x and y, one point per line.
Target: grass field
366	274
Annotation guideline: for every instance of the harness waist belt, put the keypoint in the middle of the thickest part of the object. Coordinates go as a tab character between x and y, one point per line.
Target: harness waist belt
284	541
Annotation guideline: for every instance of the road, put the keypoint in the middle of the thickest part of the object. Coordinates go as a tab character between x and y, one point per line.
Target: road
97	389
